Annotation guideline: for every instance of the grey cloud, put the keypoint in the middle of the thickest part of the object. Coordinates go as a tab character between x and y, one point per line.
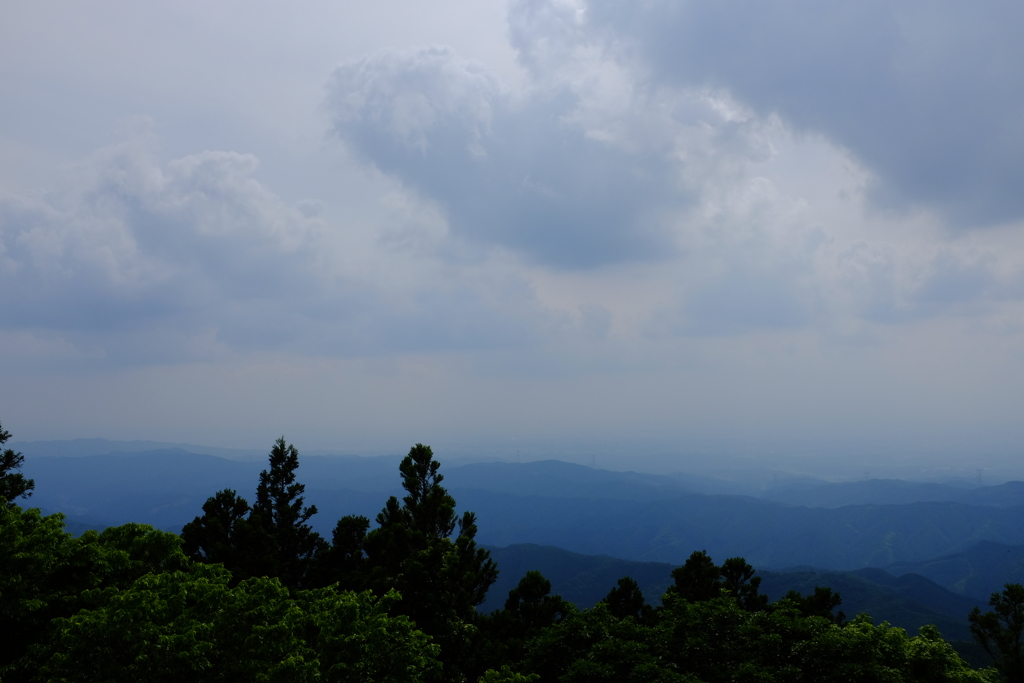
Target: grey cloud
136	242
929	95
145	262
745	299
883	286
512	173
954	282
545	33
758	282
869	276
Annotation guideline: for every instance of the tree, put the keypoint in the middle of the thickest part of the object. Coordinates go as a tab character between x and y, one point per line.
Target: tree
441	581
506	675
738	578
1000	631
626	600
529	610
531	604
821	604
196	626
13	484
594	646
700	579
47	573
215	537
272	538
344	561
280	513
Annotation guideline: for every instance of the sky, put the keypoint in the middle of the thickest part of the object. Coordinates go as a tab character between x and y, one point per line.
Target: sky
683	227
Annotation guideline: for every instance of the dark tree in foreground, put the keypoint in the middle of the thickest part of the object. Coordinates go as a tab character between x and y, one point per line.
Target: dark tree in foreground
1001	630
529	610
531	604
700	579
626	600
273	540
821	604
13	484
279	512
216	537
738	578
344	561
441	579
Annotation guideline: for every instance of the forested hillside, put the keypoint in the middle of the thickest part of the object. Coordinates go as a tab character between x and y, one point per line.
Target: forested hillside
908	601
250	591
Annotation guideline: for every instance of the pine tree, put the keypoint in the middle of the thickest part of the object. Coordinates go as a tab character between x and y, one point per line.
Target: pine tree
13	484
274	538
441	580
280	514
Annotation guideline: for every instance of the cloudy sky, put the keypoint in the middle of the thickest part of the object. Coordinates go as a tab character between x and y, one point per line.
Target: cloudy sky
547	224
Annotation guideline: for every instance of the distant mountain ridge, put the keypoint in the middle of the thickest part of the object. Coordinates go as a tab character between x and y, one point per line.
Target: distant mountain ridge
77	448
626	515
894	491
978	571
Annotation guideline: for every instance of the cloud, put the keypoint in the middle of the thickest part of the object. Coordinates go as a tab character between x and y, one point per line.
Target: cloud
727	153
569	174
140	261
925	94
882	285
134	240
625	190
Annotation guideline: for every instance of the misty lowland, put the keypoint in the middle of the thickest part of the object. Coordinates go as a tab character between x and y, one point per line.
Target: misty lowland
141	561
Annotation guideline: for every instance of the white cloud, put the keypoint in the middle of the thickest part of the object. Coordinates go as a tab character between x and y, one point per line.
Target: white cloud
923	93
151	262
650	216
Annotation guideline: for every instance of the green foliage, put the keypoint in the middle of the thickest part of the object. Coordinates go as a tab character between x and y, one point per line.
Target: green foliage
595	646
1001	631
218	536
739	581
272	538
717	641
129	604
529	609
194	626
42	572
701	579
46	573
531	604
344	561
930	658
13	484
822	603
280	514
506	675
441	580
698	579
626	600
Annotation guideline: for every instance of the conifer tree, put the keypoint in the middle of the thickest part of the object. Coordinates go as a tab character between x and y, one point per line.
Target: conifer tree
441	580
13	484
1001	631
279	513
216	536
626	600
273	540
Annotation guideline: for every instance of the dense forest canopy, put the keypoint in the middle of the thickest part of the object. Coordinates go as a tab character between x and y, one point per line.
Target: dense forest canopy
251	592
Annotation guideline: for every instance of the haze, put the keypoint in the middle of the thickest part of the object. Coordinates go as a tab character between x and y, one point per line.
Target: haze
765	229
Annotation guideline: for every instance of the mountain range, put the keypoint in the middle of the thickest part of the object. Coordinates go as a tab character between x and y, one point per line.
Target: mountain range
915	552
